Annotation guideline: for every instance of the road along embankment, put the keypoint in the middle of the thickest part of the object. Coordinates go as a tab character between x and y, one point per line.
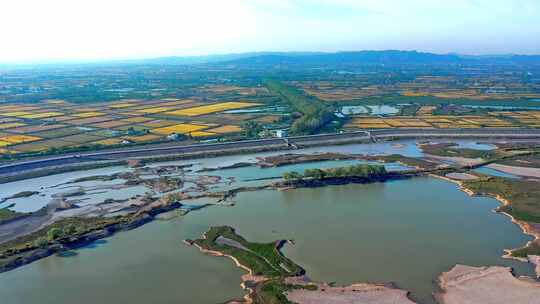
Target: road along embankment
71	162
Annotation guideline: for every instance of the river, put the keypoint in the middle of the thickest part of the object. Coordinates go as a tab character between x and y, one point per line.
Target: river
406	231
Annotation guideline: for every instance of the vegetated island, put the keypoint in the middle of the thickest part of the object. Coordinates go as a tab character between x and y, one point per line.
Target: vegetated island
359	174
274	278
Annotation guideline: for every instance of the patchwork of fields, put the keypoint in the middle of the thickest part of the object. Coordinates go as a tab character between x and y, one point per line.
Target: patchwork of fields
58	124
466	87
502	119
218	111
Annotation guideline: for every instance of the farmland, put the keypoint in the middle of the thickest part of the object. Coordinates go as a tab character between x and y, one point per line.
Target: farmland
55	125
220	107
69	108
497	119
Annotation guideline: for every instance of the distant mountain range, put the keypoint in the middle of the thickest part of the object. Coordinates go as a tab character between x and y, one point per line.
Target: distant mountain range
319	58
383	57
359	57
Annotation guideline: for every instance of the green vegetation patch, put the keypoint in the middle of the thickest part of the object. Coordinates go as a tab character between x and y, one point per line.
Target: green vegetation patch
273	291
315	113
262	258
450	150
6	214
530	161
358	171
65	228
405	160
531	249
523	195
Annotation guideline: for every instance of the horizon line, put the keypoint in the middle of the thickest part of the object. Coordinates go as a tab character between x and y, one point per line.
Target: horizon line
73	61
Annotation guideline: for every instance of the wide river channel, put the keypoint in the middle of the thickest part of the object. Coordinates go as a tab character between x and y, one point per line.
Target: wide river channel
406	232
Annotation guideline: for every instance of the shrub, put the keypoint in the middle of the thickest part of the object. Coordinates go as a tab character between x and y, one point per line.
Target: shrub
41	243
54	233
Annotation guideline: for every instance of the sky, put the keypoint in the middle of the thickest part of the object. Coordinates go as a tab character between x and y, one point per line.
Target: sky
55	30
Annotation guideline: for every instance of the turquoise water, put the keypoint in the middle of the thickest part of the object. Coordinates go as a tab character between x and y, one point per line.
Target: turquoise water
493	172
383	110
349	110
475	145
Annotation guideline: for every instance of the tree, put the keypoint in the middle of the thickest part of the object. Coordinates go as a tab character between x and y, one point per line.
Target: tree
69	229
314	173
41	243
54	233
293	175
251	129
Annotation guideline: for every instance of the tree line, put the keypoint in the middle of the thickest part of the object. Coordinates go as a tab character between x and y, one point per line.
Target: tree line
315	113
361	170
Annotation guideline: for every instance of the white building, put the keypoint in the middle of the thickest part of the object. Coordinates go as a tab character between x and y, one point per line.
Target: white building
282	133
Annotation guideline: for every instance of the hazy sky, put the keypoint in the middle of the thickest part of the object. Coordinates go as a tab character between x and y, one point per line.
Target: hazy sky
99	29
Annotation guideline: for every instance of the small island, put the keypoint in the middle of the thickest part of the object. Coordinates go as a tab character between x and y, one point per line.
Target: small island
274	278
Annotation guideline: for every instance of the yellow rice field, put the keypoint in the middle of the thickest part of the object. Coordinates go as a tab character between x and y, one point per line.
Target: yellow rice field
137	119
442	122
88	114
121	105
11	125
108	141
17	139
42	115
179	129
142	138
16	114
201	134
213	108
155	110
226	129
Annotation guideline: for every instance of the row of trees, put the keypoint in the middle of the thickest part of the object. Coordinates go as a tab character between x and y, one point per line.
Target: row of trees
361	170
315	113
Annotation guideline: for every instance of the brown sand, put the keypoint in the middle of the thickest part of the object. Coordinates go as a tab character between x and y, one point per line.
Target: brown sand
461	176
494	285
358	293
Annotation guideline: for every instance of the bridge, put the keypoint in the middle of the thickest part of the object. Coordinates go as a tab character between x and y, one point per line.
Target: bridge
271	143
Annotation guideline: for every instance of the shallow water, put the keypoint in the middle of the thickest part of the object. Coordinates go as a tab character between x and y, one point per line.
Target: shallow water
383	110
475	145
349	110
406	231
493	172
46	186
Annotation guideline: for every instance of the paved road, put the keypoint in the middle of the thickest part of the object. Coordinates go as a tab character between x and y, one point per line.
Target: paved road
273	142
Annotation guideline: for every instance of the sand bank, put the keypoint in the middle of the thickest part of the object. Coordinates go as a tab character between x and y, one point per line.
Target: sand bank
494	285
360	293
521	171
